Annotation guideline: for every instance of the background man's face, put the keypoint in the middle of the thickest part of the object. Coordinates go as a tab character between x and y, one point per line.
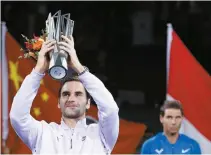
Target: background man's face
171	121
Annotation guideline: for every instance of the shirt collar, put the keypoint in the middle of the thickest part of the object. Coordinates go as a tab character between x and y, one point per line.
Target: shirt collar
79	124
166	139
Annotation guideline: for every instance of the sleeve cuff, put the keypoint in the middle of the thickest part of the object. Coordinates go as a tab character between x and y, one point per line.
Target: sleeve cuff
84	75
37	75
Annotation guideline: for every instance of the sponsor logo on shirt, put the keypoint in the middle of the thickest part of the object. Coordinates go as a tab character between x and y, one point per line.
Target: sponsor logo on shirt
159	151
185	150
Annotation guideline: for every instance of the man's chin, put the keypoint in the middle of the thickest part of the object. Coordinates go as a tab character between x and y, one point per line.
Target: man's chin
173	133
71	114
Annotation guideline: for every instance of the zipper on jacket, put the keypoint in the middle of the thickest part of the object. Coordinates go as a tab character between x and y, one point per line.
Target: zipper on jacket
71	141
71	145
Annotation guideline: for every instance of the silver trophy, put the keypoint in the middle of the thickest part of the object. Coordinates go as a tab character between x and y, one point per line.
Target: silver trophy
56	26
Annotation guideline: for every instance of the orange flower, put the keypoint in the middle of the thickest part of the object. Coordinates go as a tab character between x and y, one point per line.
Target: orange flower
37	45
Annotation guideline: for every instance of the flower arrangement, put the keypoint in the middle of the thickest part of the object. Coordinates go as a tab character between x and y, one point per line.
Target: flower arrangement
33	46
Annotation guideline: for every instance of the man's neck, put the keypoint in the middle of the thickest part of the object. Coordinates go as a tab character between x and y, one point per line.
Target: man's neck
72	122
172	138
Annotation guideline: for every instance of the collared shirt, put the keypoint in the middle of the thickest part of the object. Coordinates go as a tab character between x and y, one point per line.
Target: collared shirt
52	138
159	144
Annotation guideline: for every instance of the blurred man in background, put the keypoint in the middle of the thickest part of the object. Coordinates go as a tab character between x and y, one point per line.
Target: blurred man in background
170	141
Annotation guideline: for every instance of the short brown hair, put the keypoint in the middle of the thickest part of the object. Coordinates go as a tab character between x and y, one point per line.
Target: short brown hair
69	79
171	105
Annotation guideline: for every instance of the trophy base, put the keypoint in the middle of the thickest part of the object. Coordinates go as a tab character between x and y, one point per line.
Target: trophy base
58	72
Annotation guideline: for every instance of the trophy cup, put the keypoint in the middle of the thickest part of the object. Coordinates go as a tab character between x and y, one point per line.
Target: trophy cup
58	66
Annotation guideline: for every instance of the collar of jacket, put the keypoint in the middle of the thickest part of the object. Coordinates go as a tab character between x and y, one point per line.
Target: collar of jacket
80	124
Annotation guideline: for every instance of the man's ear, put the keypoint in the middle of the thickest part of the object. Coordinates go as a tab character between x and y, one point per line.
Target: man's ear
88	104
161	119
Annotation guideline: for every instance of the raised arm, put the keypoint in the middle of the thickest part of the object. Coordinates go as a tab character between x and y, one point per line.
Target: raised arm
26	127
108	110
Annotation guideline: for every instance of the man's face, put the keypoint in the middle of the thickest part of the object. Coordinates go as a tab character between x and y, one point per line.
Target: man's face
171	121
73	101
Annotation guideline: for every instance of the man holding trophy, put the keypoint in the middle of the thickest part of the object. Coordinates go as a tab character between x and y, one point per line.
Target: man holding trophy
73	135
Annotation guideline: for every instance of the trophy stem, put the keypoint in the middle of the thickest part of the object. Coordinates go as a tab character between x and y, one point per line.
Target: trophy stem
58	68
